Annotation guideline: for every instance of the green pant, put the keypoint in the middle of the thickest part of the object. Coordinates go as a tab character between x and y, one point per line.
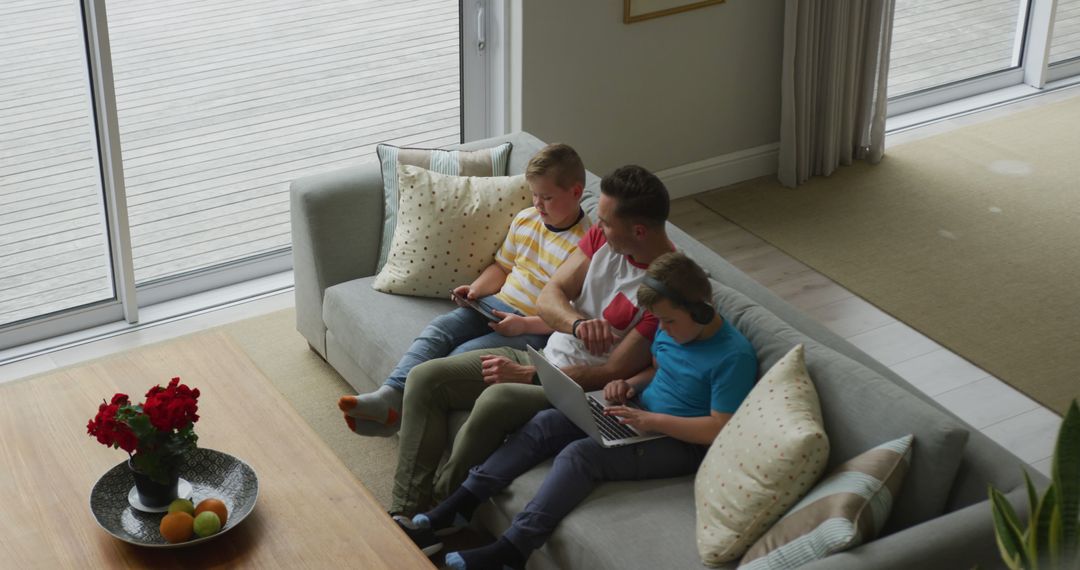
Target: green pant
433	390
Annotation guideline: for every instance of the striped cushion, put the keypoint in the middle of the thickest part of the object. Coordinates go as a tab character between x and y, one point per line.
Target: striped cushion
485	162
846	509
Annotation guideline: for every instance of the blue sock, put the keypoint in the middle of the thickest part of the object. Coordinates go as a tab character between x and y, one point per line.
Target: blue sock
495	556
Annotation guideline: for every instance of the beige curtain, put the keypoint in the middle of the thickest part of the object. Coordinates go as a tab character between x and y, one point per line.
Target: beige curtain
833	96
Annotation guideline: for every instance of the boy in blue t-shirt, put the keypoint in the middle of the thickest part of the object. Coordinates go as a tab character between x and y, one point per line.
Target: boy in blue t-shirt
702	370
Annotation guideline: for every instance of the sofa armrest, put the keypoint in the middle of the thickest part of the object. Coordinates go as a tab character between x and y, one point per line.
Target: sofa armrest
337	221
962	539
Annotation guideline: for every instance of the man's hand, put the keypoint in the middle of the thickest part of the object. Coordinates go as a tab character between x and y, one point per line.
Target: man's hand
502	370
462	291
619	391
510	325
633	417
597	335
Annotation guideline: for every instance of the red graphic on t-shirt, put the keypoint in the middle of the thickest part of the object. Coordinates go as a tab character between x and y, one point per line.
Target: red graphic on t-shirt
620	312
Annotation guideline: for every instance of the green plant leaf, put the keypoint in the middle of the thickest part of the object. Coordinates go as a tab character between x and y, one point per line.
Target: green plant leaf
1010	540
1042	530
1066	476
1034	534
1055	542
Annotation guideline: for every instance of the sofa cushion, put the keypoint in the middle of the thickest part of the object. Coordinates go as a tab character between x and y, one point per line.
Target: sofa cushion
376	328
847	508
627	524
482	162
769	455
862	409
448	229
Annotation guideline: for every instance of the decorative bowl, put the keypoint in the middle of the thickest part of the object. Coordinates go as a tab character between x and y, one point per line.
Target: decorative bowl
212	474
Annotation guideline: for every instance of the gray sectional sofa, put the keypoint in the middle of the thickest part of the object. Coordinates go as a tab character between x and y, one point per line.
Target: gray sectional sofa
941	518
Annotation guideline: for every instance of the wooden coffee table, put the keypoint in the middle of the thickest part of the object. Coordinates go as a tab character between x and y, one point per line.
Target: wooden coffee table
311	512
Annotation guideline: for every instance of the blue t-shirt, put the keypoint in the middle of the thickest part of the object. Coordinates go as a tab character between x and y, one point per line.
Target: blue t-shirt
695	378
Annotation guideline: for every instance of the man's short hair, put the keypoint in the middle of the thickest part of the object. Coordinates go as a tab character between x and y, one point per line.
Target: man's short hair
560	162
640	196
678	273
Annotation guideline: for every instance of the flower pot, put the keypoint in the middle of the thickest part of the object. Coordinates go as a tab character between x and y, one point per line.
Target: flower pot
152	493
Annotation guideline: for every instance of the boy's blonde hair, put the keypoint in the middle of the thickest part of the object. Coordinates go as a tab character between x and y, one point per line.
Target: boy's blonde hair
680	274
560	162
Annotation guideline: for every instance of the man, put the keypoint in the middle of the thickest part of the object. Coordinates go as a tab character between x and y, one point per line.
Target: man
600	335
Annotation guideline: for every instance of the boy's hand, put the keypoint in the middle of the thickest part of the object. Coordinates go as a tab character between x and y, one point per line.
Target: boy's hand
597	335
510	325
463	291
618	391
633	417
502	370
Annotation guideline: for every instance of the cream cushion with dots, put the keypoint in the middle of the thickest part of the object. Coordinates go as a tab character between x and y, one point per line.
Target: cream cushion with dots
766	458
448	229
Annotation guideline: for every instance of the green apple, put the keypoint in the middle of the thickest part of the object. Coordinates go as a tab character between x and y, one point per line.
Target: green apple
182	506
207	523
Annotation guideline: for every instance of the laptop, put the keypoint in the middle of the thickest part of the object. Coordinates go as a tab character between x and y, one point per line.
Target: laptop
585	410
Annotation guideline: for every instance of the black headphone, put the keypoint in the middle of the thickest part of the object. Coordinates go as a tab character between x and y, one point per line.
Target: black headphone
701	312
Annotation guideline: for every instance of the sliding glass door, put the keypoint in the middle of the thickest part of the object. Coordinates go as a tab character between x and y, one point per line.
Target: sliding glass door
54	246
223	104
147	147
949	49
936	43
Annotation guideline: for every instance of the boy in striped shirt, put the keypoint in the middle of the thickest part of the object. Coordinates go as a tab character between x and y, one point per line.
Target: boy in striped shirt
540	238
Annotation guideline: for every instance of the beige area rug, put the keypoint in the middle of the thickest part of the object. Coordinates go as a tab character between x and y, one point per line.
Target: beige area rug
313	387
972	237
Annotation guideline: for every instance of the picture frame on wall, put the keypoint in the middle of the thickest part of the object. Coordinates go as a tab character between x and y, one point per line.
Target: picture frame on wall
641	10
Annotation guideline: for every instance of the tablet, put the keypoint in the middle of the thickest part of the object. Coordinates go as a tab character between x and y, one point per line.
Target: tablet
478	306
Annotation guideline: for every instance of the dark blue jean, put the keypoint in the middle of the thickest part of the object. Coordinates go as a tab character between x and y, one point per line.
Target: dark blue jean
460	330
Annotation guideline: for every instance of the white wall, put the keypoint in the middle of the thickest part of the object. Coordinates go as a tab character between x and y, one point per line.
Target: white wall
664	93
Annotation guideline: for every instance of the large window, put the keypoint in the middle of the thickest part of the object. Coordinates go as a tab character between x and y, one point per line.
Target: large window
54	249
1065	45
146	148
950	49
222	104
938	42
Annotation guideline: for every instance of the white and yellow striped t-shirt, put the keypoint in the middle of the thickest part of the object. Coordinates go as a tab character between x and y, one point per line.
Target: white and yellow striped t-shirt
531	253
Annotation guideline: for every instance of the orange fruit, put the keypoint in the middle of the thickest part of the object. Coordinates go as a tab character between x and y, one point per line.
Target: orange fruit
214	506
177	527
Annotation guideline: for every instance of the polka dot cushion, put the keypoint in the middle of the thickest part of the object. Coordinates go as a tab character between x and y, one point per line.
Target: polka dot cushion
448	229
766	458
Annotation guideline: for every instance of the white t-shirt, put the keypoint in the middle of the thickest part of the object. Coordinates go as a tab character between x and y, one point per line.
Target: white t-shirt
609	291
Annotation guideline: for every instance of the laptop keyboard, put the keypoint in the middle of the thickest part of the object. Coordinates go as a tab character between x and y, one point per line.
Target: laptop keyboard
609	426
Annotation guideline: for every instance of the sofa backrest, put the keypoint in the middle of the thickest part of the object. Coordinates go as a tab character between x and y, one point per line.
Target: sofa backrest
861	409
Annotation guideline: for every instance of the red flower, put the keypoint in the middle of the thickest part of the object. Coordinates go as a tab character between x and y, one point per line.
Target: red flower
110	431
173	407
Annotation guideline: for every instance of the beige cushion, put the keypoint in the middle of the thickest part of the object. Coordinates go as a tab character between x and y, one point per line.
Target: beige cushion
448	229
846	509
766	458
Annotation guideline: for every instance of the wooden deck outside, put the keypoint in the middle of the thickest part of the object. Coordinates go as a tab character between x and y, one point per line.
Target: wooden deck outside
221	105
1065	44
941	41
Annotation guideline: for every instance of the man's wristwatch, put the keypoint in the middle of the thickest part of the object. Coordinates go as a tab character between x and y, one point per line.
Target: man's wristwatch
573	327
